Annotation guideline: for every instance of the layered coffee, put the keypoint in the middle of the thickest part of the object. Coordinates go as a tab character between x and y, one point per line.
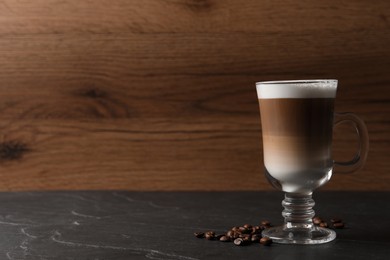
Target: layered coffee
297	122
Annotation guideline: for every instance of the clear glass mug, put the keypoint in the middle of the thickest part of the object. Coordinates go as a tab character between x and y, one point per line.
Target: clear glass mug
298	118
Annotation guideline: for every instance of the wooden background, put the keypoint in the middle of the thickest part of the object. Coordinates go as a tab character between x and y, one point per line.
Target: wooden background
160	94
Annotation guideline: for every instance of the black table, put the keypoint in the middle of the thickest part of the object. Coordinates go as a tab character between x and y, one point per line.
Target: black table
158	225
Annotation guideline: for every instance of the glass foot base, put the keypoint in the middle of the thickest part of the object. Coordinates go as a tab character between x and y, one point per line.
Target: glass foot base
283	235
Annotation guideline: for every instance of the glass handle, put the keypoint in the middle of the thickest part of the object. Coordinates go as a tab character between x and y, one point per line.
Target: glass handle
360	157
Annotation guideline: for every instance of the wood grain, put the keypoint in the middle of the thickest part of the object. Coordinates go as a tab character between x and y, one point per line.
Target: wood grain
190	16
159	95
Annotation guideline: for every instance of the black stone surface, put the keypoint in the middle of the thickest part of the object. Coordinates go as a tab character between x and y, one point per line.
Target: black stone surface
158	225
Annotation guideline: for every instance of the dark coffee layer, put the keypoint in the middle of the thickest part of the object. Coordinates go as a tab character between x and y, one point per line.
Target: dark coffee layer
297	117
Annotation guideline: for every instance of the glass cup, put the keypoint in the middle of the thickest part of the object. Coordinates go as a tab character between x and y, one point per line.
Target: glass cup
297	118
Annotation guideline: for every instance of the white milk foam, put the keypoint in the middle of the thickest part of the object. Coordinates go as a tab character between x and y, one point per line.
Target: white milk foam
297	89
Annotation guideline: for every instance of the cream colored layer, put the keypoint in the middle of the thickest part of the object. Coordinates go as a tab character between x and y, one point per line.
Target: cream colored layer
297	89
286	156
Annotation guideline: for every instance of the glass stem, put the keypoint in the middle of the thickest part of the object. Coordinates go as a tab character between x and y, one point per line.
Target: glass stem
298	211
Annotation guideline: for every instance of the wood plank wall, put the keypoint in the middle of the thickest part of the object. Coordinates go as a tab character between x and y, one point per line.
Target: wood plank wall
159	94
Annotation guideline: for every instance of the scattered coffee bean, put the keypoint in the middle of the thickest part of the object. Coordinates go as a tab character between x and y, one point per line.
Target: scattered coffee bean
217	237
248	226
266	241
236	235
245	236
256	230
199	234
210	235
323	224
336	220
338	225
224	239
239	242
265	223
255	238
235	229
262	227
245	230
247	233
230	233
317	220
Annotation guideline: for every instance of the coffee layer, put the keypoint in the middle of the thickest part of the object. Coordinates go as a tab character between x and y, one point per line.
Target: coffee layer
297	137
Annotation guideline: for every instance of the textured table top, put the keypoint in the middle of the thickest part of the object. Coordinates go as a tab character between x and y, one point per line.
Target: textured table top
154	225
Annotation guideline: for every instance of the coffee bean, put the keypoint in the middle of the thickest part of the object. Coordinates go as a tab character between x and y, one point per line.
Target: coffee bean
323	224
317	220
248	226
218	237
199	234
256	230
338	225
235	229
264	227
210	235
255	238
239	242
266	241
233	234
230	233
336	220
224	239
265	223
245	236
244	230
